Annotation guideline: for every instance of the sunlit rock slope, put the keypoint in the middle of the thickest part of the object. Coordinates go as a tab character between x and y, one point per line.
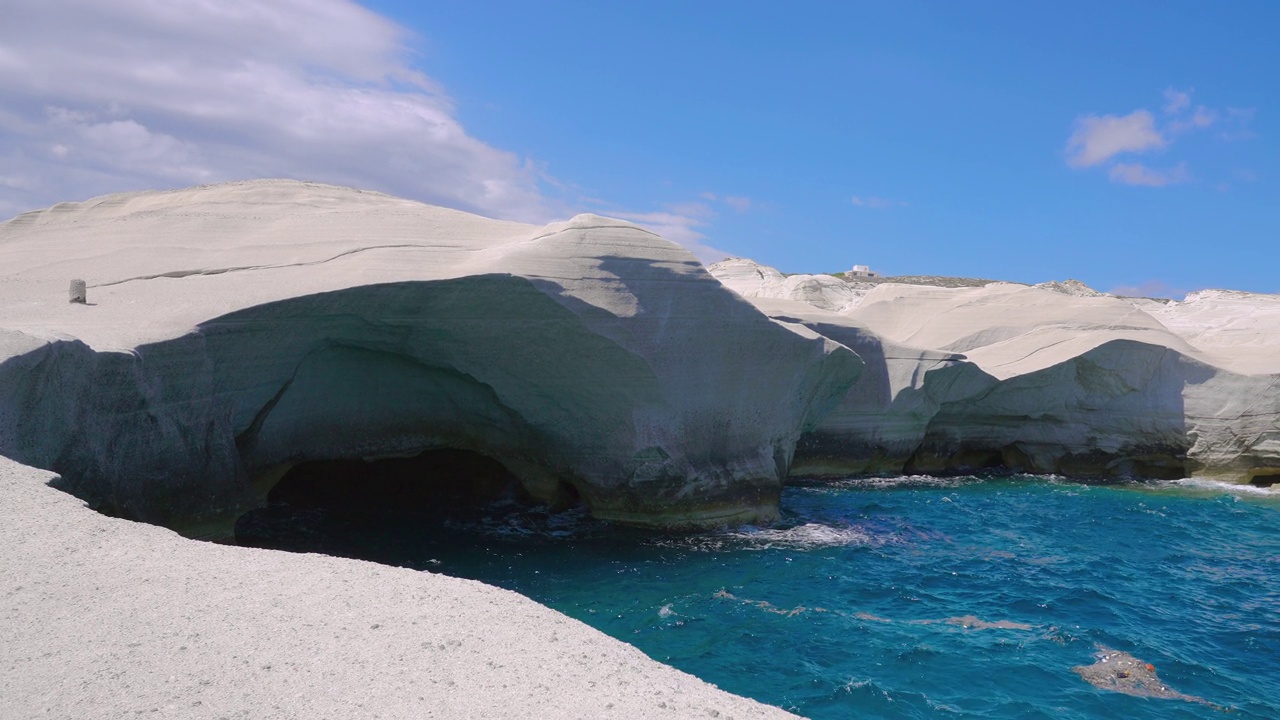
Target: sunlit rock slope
1053	379
232	331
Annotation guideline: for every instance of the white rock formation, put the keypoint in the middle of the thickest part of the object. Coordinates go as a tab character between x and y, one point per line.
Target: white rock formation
1239	329
1070	287
232	331
105	618
1048	379
752	280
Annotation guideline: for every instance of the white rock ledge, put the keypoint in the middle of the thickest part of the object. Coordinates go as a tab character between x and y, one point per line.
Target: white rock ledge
106	618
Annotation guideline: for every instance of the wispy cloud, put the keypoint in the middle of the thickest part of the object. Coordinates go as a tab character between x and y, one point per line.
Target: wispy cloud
1098	138
738	203
1202	118
1238	124
1240	175
1139	174
1175	101
700	211
876	203
680	223
1150	289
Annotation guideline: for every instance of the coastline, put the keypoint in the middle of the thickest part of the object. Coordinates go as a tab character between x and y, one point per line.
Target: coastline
102	617
235	332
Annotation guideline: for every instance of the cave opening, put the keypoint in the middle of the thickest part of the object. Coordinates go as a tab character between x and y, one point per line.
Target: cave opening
1264	477
444	480
358	508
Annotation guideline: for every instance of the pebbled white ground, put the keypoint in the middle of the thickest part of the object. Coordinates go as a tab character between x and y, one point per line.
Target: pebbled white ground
107	618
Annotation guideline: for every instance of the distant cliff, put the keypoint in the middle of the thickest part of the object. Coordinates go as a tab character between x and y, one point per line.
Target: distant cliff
1055	378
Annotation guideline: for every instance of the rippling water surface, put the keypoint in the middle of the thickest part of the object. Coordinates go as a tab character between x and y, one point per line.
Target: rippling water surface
900	598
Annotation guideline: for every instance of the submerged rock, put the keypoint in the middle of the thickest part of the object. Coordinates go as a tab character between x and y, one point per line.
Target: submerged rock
1121	672
238	330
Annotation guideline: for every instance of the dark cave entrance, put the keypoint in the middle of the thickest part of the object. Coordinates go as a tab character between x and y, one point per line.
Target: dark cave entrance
390	510
1264	477
434	481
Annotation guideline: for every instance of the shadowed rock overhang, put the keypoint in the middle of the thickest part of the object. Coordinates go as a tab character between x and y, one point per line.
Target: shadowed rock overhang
589	358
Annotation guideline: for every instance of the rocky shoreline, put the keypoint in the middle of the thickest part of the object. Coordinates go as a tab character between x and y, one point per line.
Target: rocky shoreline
231	333
102	617
235	331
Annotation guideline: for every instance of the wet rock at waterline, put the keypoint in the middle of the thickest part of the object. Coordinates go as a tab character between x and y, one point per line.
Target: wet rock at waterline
238	330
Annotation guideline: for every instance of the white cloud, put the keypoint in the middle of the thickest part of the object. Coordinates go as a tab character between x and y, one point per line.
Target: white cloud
875	203
102	97
1097	139
99	97
125	146
1175	101
1100	140
1139	174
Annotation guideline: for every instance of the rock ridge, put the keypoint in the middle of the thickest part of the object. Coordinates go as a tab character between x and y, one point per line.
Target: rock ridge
1056	378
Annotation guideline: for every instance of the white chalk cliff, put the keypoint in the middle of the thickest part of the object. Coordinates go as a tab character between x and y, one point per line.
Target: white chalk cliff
235	330
1052	379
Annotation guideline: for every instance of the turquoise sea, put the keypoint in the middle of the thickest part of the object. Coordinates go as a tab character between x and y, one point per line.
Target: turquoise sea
911	597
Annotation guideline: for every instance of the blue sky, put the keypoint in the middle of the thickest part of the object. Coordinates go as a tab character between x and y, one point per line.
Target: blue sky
1127	145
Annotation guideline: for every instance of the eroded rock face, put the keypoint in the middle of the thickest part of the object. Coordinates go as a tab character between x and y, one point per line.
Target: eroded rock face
1054	379
753	280
234	331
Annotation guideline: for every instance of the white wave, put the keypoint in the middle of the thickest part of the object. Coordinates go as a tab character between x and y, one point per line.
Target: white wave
1196	483
801	537
899	481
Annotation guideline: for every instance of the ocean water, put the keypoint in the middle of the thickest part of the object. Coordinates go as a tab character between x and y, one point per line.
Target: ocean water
911	597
